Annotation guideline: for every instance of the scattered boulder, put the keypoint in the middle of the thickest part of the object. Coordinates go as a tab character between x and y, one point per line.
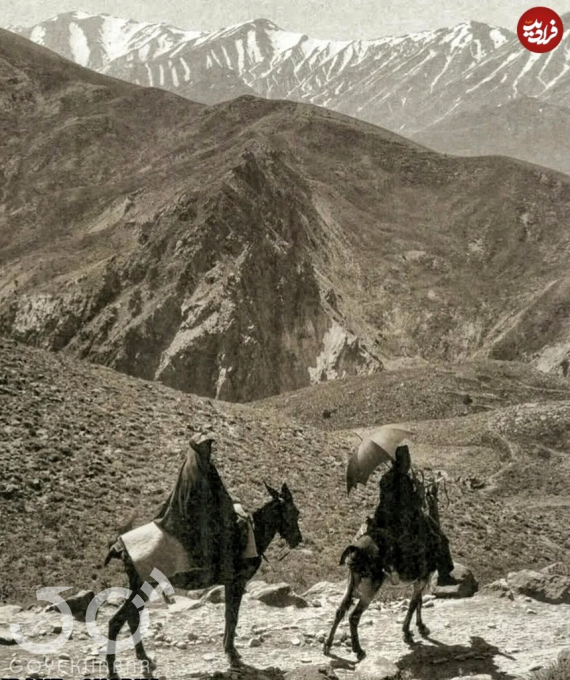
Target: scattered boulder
564	658
197	594
278	595
323	592
325	589
198	598
216	595
180	604
77	603
498	588
6	637
541	586
312	672
377	668
466	586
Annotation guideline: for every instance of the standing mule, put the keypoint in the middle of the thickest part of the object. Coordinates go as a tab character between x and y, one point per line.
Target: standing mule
368	563
277	516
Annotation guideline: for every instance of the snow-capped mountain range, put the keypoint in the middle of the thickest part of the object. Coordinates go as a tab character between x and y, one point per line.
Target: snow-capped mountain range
407	83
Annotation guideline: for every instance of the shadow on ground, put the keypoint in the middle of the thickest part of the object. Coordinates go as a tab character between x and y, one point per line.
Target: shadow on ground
440	661
246	672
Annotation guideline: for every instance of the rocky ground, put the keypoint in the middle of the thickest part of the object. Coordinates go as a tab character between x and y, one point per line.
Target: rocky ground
495	634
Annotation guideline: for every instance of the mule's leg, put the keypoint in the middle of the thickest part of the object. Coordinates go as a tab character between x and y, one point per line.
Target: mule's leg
128	612
352	584
116	622
415	602
368	589
134	620
424	630
234	593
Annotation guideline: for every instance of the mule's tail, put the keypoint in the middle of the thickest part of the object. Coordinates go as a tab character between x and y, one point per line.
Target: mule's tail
347	553
363	557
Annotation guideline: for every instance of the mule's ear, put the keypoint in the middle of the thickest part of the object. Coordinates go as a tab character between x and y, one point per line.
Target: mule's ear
286	493
274	494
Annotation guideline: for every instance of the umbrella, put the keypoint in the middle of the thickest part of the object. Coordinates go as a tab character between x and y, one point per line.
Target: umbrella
378	448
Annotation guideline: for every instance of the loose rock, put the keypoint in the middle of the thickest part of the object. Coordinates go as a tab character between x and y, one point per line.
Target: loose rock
467	584
279	595
377	668
541	586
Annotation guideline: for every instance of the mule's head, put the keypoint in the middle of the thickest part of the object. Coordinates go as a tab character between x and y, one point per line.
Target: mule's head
288	527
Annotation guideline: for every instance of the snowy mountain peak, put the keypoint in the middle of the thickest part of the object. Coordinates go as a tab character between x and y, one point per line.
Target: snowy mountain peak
261	23
406	83
76	14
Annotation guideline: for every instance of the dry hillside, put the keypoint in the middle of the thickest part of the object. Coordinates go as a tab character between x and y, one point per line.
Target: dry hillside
83	447
420	393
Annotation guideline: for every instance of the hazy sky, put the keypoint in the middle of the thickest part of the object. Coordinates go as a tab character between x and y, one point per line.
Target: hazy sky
339	19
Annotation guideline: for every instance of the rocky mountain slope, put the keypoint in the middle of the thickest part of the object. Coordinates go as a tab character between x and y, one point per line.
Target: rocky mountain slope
419	85
185	258
84	448
254	247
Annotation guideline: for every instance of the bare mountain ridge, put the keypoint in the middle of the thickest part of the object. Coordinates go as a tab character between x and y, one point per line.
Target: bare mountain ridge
419	85
202	285
253	247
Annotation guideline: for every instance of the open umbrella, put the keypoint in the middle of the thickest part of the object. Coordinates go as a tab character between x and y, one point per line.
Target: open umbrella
378	448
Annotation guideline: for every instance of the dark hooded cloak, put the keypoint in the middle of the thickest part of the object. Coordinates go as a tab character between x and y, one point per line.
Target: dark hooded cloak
200	514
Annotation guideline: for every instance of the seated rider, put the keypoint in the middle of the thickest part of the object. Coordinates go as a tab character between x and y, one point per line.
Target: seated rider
406	527
200	512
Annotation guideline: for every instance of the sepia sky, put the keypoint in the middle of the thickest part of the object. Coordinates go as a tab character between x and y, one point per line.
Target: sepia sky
334	19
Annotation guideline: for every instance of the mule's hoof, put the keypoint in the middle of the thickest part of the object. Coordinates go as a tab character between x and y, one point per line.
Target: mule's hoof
150	663
326	649
148	672
235	659
360	654
424	630
408	637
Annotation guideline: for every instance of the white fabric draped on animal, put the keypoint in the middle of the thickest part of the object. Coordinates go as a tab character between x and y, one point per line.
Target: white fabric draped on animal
150	547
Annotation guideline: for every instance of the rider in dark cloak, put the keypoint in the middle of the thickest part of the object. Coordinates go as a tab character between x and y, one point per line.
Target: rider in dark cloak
406	528
200	512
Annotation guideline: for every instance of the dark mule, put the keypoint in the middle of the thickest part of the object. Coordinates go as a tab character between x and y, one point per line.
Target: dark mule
366	559
278	516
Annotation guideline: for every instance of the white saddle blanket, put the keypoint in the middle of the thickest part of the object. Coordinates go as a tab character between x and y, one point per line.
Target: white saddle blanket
150	547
